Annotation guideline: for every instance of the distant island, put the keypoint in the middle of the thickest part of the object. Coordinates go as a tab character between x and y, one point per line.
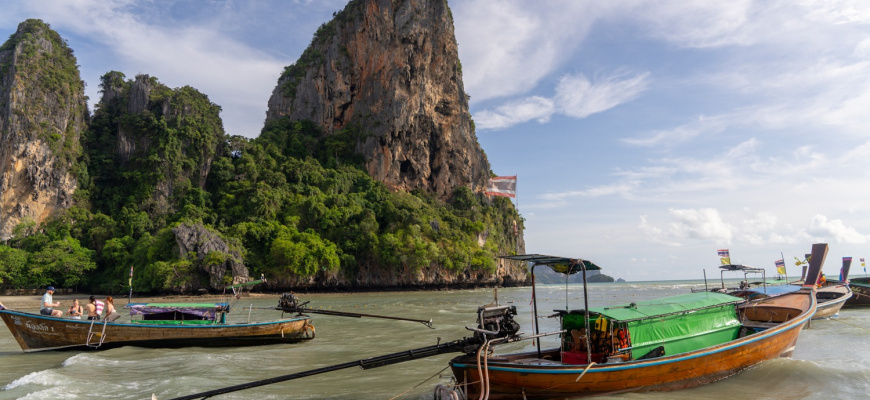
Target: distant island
546	275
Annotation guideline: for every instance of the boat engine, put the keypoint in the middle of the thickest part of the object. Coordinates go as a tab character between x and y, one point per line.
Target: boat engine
290	303
495	322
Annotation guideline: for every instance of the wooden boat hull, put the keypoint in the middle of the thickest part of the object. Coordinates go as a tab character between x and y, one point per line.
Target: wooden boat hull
831	299
526	376
860	293
35	332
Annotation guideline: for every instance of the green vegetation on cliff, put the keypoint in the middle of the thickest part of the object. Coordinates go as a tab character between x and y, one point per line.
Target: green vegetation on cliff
45	65
293	201
295	204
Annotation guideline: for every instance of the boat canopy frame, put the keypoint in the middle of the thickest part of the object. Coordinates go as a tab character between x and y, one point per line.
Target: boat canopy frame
746	271
563	265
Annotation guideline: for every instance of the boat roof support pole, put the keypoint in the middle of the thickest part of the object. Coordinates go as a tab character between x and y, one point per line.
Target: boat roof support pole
535	307
586	313
706	289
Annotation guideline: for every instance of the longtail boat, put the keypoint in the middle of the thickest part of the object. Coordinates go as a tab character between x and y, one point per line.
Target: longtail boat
860	292
658	345
831	295
153	325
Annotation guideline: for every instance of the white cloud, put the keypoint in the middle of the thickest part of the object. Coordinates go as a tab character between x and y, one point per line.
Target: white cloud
508	46
697	23
824	229
516	112
702	125
704	224
576	96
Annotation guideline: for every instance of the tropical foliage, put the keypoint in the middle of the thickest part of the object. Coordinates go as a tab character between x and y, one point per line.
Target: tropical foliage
292	202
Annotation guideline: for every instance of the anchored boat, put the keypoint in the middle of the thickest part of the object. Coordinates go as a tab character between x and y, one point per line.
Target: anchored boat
153	325
834	294
830	295
658	345
860	292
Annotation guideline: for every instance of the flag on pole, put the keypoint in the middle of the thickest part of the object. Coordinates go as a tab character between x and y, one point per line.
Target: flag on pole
862	264
505	186
724	257
780	267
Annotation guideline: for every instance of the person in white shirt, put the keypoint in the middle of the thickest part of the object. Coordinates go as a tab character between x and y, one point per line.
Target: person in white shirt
48	304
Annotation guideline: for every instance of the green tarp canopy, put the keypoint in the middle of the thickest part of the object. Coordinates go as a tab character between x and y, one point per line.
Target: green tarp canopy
679	323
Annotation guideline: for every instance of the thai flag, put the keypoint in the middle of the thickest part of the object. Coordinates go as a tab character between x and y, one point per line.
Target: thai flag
780	267
505	186
723	253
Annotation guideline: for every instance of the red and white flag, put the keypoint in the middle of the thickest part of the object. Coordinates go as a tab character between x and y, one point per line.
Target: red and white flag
505	186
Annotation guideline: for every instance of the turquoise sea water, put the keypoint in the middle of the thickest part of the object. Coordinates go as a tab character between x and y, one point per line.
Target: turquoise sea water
832	359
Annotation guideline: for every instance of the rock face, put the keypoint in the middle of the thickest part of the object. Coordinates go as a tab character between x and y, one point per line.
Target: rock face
214	255
43	112
391	70
173	134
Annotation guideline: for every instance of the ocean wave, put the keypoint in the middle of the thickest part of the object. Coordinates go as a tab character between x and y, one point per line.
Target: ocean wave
46	378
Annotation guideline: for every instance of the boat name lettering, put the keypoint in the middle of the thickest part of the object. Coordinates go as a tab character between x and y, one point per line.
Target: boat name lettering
41	327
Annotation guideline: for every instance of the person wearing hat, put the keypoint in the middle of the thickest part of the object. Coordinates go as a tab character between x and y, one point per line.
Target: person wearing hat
48	304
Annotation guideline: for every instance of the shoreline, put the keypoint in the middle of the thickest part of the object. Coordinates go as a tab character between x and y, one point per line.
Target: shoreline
30	302
25	302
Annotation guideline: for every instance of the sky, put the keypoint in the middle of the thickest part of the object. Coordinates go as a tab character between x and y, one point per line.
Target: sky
645	135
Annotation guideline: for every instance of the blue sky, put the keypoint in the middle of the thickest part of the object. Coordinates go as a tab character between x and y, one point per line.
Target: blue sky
645	134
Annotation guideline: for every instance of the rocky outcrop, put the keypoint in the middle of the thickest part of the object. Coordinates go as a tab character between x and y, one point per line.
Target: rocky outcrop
216	258
390	69
43	112
507	274
171	134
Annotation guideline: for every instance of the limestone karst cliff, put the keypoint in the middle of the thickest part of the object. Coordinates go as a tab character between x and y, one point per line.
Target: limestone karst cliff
391	70
164	139
366	175
43	112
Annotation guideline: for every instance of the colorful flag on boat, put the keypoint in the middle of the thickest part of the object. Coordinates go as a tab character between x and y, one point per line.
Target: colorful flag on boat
780	267
862	264
505	186
724	257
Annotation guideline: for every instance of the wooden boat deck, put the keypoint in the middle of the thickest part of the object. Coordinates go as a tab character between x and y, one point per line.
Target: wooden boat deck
774	309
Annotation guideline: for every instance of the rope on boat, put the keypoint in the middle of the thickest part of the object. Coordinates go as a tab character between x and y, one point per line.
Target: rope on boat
843	322
418	385
584	371
484	375
445	393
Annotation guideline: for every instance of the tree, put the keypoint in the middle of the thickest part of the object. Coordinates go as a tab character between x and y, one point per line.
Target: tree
61	261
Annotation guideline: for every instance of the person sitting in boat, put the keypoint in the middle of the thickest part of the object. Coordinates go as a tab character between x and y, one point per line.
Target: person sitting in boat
48	304
94	309
111	314
75	310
